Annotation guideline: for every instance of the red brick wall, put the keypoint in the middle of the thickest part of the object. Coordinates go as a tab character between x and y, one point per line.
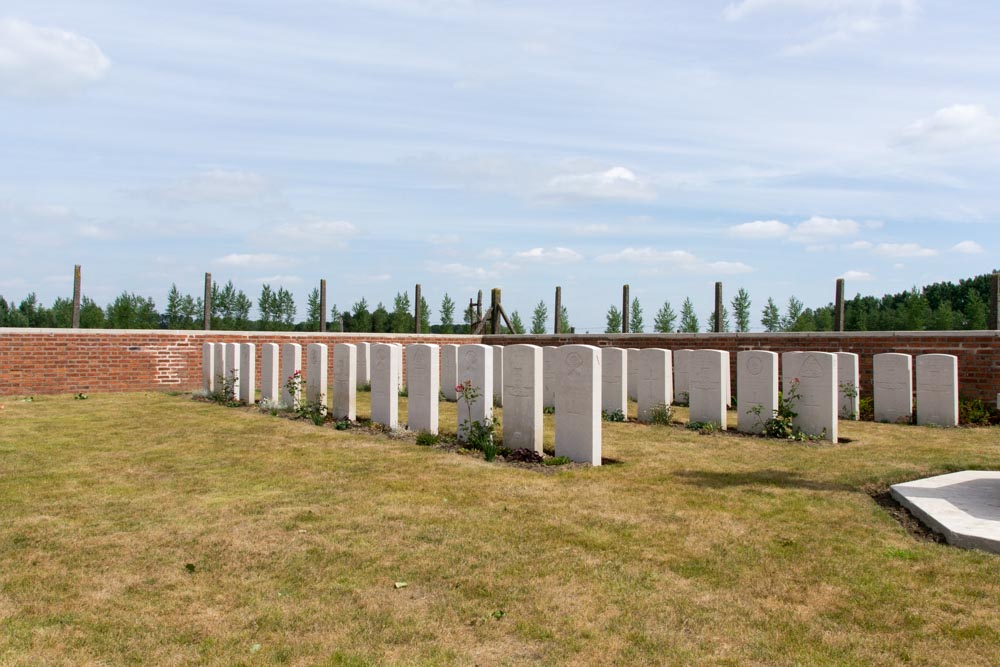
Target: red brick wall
978	352
40	361
51	361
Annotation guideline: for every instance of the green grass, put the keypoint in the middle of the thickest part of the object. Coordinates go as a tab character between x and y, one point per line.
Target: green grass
152	529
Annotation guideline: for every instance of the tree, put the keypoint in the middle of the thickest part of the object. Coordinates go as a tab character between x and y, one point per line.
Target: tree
539	317
425	315
771	316
975	311
564	325
614	321
175	315
689	321
381	319
741	310
334	319
92	315
312	310
61	313
792	313
635	323
447	314
285	309
401	320
267	306
710	325
361	319
944	318
131	311
666	319
516	323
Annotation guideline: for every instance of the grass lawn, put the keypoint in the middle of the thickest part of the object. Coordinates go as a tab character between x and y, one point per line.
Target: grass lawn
153	529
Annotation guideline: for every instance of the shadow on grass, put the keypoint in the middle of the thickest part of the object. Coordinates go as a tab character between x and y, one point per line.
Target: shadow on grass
778	478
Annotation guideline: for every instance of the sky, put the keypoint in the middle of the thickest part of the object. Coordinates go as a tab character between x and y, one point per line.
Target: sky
774	145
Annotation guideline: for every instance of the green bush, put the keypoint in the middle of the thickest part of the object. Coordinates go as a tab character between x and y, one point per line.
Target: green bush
661	414
426	439
557	461
614	416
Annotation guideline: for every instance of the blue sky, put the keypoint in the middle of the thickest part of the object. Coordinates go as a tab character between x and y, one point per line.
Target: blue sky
464	144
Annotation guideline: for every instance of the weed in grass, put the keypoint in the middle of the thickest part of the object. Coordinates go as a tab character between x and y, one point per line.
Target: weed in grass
973	412
549	410
80	396
313	411
404	392
343	425
613	416
557	460
477	434
705	428
866	409
426	439
661	414
365	387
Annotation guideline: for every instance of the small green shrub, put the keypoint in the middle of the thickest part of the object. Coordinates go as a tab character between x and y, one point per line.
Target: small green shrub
425	439
80	397
614	416
973	412
314	411
225	390
703	427
866	409
404	392
549	410
367	386
557	461
661	414
342	425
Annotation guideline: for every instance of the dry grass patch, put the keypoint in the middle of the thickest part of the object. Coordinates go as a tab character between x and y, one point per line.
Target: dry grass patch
151	529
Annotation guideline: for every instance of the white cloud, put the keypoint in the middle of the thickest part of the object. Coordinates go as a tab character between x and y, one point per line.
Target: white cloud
614	183
259	259
558	255
859	276
445	239
860	245
216	186
677	259
818	228
279	280
39	62
951	128
365	278
760	229
968	248
899	250
592	230
459	270
317	231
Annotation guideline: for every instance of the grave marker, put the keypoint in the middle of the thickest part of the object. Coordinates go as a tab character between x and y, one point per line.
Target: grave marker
345	381
317	356
385	385
682	375
549	376
269	376
892	382
475	366
291	363
937	389
614	380
248	373
848	384
655	381
813	377
208	367
423	383
756	385
449	371
522	415
578	403
632	359
498	375
363	364
707	373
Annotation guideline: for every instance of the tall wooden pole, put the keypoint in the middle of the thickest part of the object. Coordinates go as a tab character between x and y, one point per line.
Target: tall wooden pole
417	309
558	317
994	323
625	307
208	301
322	305
479	306
495	310
717	325
76	296
838	307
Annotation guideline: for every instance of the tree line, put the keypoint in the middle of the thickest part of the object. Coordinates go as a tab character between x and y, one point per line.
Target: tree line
939	307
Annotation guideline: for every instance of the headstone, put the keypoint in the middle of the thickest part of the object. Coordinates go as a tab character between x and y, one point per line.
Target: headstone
937	389
270	383
221	372
475	366
892	387
449	371
756	389
707	372
423	382
549	376
316	373
291	364
522	413
728	376
682	376
233	369
398	349
632	359
248	373
385	385
656	386
345	381
578	403
812	376
208	367
848	385
614	380
363	364
498	375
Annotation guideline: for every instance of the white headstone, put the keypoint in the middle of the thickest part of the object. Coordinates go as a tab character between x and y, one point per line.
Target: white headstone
221	372
813	377
291	364
682	376
578	403
400	360
498	375
632	359
522	413
385	385
345	381
756	389
848	385
423	382
937	389
270	383
892	387
656	385
475	366
208	367
549	376
317	356
449	371
707	372
233	368
363	364
614	380
248	373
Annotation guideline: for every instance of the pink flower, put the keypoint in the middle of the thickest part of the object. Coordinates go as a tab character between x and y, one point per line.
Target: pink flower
459	387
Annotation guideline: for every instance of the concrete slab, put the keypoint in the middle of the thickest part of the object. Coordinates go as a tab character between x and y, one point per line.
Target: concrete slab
964	506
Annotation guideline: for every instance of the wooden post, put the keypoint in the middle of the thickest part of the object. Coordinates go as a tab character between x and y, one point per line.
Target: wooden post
322	305
717	325
479	306
838	307
76	296
625	307
208	301
558	317
495	311
341	323
416	309
472	314
993	323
